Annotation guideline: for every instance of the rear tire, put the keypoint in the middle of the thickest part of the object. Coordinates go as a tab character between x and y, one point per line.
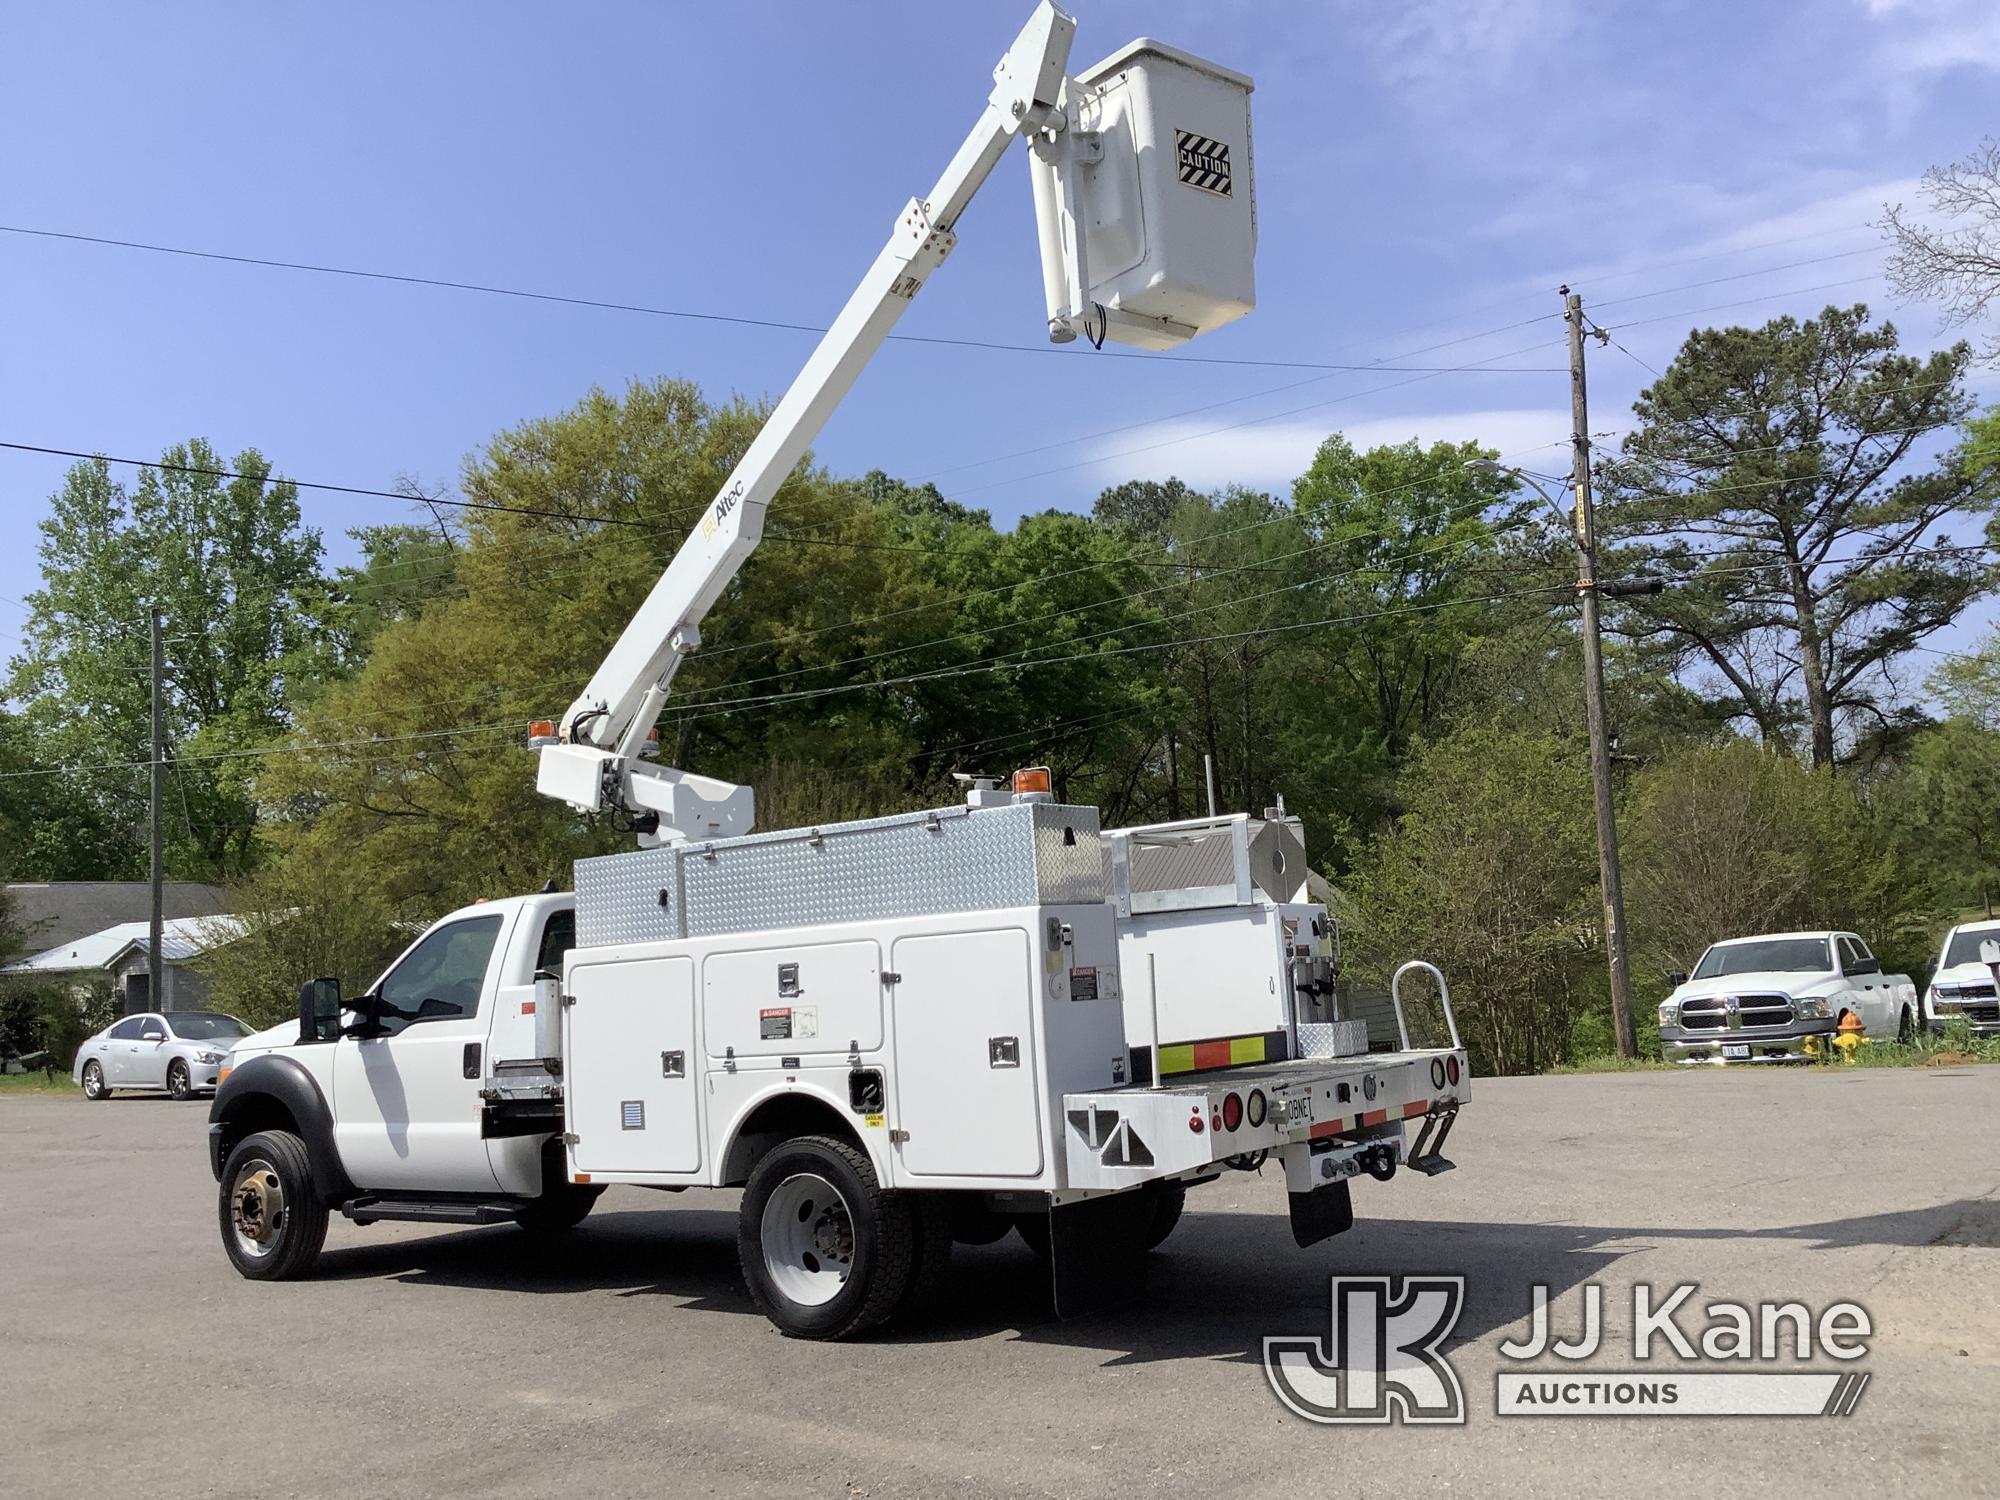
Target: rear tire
930	1254
179	1086
826	1250
273	1222
94	1086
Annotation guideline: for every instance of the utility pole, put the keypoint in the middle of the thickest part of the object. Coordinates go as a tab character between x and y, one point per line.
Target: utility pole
1593	690
154	999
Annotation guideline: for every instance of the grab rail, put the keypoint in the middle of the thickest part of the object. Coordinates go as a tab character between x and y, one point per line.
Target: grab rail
1444	995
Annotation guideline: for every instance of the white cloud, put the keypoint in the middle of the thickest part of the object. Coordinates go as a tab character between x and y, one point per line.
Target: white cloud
1271	455
1431	41
1935	36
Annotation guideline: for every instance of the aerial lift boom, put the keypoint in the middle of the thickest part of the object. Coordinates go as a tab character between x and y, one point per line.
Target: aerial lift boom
593	760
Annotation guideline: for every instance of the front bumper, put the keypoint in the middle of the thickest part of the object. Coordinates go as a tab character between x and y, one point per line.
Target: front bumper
1761	1044
1941	1018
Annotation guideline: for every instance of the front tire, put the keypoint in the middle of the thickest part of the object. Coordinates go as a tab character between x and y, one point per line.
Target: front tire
273	1222
179	1086
94	1086
827	1251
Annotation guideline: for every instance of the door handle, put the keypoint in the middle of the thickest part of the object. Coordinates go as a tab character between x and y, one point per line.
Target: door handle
471	1068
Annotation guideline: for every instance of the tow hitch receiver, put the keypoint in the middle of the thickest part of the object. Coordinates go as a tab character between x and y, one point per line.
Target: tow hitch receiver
1427	1156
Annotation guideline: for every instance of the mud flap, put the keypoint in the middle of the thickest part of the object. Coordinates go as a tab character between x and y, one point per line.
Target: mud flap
1096	1257
1322	1213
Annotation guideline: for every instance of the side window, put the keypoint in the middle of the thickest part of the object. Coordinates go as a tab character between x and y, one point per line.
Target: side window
151	1029
440	979
1860	948
127	1031
558	937
1852	952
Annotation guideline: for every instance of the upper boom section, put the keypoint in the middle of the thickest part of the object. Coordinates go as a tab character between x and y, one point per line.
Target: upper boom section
1140	151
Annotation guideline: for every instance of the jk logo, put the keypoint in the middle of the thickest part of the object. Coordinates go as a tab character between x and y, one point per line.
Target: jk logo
1380	1361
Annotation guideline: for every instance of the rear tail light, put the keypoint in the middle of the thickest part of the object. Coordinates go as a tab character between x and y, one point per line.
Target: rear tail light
1232	1111
1451	1069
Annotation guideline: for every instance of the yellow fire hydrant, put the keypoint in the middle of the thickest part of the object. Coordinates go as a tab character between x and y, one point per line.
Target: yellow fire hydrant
1848	1036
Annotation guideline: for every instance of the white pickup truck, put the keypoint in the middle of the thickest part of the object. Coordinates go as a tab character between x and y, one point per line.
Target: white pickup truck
1763	999
1963	982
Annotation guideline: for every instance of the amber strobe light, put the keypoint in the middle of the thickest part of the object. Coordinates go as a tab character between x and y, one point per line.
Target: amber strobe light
541	732
1032	779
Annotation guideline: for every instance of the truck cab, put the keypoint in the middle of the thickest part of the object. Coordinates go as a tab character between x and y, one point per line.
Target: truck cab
389	1093
1779	997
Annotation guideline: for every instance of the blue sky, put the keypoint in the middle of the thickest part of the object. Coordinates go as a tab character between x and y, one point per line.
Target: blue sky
1427	170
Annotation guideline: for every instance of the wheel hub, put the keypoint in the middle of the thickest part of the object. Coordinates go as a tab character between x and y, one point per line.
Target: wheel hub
808	1239
257	1206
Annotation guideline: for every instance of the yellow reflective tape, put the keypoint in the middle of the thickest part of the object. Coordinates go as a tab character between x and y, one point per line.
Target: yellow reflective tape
1246	1049
1177	1059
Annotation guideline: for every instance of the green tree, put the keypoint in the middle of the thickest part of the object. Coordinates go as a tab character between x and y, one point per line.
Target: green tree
1949	801
1490	872
232	571
1773	482
1730	841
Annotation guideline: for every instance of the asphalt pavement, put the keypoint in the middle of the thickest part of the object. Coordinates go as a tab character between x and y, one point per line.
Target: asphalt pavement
628	1360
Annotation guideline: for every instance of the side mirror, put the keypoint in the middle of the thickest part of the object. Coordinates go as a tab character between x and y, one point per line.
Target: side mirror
319	1010
152	1036
1865	966
1677	978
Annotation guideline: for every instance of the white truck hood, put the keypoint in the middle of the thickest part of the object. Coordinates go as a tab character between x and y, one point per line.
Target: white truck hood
1772	982
1972	973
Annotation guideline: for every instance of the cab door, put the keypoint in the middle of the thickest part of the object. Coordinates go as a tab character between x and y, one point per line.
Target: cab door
406	1103
149	1055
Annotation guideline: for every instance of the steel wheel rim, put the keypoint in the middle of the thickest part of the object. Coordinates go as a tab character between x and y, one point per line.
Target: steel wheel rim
807	1233
93	1080
257	1208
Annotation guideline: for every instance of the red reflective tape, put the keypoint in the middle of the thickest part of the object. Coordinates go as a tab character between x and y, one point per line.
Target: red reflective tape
1326	1128
1372	1117
1415	1107
1211	1055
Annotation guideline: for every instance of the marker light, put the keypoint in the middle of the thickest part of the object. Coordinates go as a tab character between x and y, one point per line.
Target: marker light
1032	779
1232	1111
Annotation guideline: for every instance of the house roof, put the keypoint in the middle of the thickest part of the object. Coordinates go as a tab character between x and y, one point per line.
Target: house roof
181	938
51	913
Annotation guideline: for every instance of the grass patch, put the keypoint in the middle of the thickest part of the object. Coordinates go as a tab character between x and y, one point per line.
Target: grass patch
1611	1062
37	1082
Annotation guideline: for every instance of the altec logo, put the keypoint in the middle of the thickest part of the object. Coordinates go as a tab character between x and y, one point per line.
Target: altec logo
1382	1359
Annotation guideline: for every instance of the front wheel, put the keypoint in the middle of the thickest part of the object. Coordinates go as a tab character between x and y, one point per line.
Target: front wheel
826	1250
273	1222
178	1084
94	1086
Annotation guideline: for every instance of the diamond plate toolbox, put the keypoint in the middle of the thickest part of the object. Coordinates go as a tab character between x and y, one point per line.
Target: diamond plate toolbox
913	864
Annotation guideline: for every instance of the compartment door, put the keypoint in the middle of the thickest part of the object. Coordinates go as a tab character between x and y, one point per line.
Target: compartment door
629	1073
959	999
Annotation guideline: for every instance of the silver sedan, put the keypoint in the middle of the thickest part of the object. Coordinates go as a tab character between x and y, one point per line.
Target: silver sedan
181	1051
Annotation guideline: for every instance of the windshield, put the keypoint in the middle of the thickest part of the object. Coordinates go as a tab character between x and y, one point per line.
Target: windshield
1766	955
206	1026
1964	947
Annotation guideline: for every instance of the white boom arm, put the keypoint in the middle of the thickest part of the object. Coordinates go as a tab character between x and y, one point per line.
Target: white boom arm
595	762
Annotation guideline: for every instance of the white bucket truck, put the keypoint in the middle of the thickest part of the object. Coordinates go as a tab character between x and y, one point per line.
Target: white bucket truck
895	1033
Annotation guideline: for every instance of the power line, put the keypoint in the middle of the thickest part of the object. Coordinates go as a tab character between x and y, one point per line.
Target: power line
606	305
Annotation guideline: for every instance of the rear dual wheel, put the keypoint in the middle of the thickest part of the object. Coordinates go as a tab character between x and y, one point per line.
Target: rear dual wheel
827	1251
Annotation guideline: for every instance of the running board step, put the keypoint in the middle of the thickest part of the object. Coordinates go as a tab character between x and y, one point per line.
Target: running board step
1427	1155
431	1211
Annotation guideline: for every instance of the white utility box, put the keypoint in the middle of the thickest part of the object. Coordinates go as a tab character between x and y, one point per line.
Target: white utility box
1168	210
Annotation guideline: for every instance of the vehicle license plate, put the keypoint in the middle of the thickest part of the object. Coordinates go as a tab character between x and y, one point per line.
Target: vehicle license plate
1736	1049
